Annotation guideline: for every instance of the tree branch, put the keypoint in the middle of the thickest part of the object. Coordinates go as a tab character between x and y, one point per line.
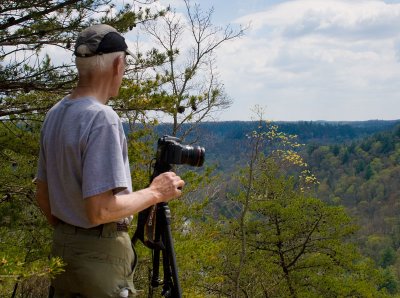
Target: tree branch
12	22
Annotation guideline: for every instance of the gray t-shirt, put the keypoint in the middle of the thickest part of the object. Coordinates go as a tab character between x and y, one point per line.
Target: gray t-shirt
83	153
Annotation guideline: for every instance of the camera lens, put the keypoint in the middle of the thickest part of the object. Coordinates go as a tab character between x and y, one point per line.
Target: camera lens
193	156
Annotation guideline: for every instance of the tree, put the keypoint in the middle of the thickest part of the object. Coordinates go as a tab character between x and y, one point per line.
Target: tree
288	244
30	83
188	75
388	257
27	27
24	233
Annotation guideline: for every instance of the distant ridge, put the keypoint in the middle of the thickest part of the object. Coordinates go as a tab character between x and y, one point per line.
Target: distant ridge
320	131
225	141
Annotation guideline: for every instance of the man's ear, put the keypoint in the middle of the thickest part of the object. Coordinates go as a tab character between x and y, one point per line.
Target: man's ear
119	65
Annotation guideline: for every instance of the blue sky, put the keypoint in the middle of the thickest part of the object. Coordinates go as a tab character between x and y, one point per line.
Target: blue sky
311	59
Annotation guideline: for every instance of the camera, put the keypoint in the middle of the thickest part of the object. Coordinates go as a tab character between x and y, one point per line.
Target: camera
171	151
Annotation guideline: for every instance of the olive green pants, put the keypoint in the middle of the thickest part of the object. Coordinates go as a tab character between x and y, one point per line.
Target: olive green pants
99	263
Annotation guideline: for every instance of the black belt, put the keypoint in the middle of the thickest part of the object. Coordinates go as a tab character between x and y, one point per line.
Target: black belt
121	227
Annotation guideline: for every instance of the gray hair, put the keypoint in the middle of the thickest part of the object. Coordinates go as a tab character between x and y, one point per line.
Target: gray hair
96	63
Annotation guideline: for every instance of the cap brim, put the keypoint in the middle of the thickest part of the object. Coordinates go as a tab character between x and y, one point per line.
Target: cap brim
129	53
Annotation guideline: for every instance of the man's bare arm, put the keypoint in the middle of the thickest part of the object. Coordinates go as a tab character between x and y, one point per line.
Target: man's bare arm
107	207
42	197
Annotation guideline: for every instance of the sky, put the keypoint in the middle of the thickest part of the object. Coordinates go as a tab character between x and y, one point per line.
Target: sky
336	60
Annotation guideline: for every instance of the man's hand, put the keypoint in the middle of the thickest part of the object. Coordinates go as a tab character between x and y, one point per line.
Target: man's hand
168	186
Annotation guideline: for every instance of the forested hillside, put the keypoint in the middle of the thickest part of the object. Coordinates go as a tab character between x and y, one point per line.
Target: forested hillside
357	165
364	176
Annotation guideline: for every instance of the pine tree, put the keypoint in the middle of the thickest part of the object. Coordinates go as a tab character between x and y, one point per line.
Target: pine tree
30	83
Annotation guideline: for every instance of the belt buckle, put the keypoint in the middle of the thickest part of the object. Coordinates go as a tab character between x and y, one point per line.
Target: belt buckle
122	227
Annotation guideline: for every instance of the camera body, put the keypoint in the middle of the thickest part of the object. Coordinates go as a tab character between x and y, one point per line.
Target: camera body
171	151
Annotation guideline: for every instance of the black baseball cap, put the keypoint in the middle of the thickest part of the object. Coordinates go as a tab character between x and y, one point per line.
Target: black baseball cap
100	39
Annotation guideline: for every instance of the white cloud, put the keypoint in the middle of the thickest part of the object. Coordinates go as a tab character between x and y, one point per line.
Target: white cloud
310	59
302	17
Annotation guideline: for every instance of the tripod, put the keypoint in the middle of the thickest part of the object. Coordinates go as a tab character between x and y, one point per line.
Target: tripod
156	221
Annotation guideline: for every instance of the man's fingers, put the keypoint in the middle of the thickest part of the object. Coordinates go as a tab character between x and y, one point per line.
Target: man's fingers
169	185
180	184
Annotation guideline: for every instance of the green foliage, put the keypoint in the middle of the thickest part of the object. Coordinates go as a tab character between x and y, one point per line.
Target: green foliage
366	182
24	233
390	283
141	153
286	243
303	244
388	257
199	249
30	82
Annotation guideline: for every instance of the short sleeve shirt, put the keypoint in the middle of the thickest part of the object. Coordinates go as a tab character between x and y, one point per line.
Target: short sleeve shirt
83	153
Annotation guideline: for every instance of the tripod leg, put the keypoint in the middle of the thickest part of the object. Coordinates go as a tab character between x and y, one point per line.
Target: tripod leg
168	284
155	276
170	267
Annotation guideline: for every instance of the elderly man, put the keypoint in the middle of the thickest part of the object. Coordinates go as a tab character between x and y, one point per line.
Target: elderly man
83	180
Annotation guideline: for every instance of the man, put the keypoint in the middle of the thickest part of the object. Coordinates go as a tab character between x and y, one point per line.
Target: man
83	181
